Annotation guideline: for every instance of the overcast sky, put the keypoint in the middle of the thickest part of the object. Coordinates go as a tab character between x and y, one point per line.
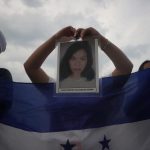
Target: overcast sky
28	23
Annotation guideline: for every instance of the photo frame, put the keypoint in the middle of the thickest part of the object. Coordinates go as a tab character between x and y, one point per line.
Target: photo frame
77	67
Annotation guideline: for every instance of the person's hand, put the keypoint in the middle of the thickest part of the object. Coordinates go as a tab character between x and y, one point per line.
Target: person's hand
77	34
65	34
87	33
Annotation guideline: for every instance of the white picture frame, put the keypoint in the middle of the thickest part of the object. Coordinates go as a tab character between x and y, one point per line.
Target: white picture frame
77	68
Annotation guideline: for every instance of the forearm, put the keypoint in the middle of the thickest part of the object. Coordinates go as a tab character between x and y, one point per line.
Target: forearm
119	59
40	54
33	64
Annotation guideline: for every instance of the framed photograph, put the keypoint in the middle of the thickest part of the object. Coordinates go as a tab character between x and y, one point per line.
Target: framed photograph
77	68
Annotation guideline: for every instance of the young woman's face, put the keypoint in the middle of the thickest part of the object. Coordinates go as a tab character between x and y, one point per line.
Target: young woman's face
78	62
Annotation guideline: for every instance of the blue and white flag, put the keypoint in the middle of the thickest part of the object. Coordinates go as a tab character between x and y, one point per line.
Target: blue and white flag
36	118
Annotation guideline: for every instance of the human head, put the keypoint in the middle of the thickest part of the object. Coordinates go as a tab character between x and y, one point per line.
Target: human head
6	90
77	46
2	42
144	65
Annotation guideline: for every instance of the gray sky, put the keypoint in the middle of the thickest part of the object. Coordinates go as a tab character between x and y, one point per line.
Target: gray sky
28	23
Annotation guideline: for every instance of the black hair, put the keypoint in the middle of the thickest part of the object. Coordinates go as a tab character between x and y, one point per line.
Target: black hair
142	65
88	71
6	90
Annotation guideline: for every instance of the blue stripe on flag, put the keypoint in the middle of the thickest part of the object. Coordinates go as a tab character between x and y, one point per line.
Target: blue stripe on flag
37	108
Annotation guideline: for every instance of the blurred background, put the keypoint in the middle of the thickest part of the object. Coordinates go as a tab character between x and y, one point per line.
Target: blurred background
28	23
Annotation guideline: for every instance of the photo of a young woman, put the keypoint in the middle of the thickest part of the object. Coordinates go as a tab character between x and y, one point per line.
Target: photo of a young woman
76	68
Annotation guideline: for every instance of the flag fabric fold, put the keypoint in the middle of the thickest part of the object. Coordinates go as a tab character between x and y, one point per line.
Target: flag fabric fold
118	117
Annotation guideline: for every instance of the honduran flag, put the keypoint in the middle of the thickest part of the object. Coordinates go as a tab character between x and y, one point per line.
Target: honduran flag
34	117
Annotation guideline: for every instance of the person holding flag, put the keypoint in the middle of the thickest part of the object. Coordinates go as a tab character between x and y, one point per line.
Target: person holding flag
4	73
5	77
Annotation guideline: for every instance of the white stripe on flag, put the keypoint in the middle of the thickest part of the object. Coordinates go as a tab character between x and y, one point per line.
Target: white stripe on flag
129	136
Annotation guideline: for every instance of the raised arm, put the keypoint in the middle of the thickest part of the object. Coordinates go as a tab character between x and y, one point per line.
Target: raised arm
34	62
120	60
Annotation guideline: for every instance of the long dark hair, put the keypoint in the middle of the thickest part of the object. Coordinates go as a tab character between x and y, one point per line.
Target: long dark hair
142	65
88	71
